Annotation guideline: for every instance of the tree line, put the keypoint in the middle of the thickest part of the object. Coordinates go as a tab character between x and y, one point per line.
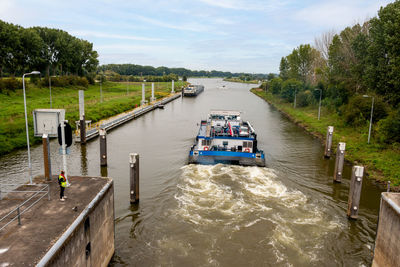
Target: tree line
139	70
50	51
349	68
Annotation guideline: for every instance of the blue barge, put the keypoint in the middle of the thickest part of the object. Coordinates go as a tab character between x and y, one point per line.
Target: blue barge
225	138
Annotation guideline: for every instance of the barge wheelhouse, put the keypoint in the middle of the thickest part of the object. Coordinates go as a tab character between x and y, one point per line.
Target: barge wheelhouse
225	138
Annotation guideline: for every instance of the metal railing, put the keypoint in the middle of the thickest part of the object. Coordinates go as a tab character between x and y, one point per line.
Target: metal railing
24	206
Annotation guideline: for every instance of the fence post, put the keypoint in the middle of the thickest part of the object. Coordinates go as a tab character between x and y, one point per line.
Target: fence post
338	174
103	147
46	157
134	177
355	192
328	143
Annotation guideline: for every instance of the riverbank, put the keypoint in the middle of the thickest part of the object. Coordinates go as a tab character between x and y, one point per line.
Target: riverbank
117	97
381	161
237	80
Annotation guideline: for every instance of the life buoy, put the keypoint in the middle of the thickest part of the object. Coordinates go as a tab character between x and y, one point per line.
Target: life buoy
247	150
206	148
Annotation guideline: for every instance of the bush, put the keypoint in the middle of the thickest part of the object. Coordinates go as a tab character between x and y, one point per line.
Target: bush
64	81
358	110
276	85
389	128
304	99
289	87
10	84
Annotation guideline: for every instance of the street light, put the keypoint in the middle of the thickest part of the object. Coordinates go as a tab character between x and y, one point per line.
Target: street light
26	124
319	106
372	112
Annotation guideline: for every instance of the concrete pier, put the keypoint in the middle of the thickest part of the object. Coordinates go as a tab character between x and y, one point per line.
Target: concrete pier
76	232
387	245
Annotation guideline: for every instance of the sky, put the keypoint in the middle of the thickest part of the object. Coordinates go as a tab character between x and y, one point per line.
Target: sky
227	35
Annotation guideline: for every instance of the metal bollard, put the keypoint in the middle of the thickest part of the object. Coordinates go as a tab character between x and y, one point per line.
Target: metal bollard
134	177
48	191
388	187
337	176
355	192
328	143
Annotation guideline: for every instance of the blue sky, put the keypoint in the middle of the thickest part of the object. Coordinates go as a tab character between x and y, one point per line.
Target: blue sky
228	35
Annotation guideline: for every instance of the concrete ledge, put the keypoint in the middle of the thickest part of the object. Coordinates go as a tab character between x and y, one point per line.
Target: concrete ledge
387	242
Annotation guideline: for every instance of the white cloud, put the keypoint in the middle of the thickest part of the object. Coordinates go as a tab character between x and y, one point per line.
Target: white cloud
112	36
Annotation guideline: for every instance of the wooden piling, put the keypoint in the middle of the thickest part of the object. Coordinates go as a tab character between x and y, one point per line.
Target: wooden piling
103	147
328	143
337	176
355	192
46	157
134	177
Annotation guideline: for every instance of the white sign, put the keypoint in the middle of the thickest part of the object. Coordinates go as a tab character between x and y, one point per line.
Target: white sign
46	121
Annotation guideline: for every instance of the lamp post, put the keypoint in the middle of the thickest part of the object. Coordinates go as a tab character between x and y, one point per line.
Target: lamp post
295	93
319	106
372	112
26	124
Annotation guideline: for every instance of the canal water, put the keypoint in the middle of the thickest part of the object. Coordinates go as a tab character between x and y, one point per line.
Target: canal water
287	214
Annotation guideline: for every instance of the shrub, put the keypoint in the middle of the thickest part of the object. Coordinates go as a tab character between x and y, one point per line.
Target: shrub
276	85
358	110
389	128
289	87
304	99
10	84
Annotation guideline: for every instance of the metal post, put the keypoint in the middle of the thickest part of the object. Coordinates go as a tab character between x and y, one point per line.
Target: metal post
173	89
328	143
355	192
143	95
19	216
319	105
134	177
27	131
101	93
388	187
370	121
295	93
338	174
103	147
50	90
152	99
46	157
48	192
82	119
64	150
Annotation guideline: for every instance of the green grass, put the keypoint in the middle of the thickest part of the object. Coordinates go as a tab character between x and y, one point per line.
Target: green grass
381	161
115	100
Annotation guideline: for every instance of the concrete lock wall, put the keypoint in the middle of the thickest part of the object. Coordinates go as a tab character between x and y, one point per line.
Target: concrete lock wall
387	243
92	241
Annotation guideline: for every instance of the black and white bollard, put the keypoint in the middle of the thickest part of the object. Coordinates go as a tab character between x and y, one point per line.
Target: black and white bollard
103	147
46	157
134	177
355	192
337	176
328	143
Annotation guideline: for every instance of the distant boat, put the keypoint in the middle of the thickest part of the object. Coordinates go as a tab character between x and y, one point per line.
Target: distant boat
193	90
225	138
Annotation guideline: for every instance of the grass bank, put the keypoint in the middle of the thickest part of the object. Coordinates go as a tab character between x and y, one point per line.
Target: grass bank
381	161
237	80
117	97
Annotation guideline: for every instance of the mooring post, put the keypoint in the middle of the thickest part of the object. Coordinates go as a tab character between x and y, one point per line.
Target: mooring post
134	177
46	157
103	147
82	122
152	99
328	143
172	90
337	176
355	191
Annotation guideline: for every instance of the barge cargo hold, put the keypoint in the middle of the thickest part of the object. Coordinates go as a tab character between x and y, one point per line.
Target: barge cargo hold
193	90
225	138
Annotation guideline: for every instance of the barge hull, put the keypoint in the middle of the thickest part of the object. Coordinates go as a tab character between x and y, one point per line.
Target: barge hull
208	158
